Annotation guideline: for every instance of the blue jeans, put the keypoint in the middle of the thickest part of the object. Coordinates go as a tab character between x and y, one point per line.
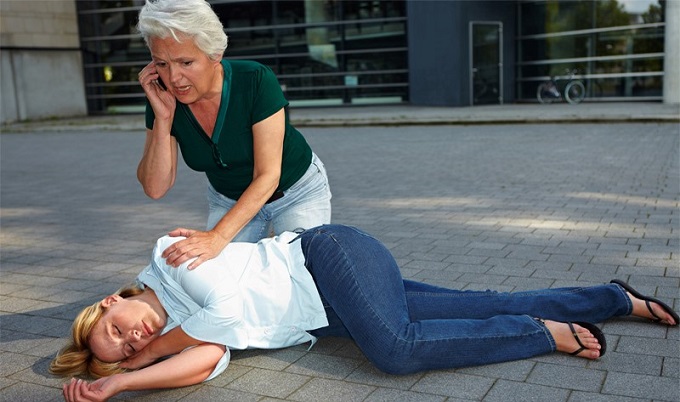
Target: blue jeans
306	204
404	326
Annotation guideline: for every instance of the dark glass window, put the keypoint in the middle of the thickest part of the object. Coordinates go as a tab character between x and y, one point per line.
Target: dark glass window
616	46
323	51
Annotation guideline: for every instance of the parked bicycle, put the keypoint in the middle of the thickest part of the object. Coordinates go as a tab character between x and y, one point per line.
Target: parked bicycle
574	90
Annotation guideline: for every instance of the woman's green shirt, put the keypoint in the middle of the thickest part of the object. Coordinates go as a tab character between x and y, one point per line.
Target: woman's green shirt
250	94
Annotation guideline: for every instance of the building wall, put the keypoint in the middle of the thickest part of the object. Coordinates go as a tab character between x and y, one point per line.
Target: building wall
41	69
671	85
438	41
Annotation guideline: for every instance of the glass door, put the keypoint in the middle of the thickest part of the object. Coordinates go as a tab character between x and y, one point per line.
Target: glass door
486	63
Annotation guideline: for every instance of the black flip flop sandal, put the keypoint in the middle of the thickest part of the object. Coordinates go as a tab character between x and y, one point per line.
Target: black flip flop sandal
647	300
597	333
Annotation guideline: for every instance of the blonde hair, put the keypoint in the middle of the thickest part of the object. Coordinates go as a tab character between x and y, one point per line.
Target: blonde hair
76	358
194	19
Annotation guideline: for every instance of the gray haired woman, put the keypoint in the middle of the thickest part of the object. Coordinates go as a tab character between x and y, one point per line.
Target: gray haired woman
228	119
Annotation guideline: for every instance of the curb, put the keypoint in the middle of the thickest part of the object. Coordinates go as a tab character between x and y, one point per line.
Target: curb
461	122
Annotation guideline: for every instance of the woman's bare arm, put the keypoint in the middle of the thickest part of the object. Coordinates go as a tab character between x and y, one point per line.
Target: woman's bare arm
187	368
157	169
268	155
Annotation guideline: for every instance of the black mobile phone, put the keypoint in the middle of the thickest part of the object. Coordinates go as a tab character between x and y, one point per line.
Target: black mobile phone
161	84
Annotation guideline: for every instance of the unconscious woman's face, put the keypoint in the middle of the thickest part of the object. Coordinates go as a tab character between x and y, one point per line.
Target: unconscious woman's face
126	327
188	73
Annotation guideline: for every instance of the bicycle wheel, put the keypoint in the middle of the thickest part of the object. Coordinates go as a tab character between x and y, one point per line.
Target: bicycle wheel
574	92
543	93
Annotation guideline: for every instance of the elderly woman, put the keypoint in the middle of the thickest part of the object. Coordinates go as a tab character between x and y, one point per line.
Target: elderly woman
330	281
229	121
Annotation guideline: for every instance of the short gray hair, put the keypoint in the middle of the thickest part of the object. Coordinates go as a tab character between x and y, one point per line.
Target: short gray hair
191	18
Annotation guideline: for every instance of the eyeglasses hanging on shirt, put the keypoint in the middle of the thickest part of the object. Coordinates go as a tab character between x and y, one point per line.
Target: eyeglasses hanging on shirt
219	123
217	157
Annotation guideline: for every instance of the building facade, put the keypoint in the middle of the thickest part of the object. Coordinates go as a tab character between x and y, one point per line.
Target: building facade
421	52
40	61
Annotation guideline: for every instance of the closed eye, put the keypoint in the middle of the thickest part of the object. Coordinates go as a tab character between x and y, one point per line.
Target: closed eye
128	349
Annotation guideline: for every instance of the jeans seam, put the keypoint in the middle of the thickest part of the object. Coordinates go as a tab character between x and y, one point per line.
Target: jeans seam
541	325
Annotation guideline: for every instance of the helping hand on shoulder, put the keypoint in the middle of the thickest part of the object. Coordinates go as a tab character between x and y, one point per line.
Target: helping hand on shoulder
201	245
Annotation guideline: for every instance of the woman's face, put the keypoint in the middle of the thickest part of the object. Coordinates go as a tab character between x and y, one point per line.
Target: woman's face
188	73
125	328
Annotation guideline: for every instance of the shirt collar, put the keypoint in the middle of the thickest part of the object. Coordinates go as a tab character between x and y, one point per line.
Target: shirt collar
224	102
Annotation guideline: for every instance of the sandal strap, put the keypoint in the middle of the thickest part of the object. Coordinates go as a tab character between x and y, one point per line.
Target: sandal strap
578	340
649	307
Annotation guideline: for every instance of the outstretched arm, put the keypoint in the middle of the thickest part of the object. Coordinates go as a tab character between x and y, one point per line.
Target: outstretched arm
187	368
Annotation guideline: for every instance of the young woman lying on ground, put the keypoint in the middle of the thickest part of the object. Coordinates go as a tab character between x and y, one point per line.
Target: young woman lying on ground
328	281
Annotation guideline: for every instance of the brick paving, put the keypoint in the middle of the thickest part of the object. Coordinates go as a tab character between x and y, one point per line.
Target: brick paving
504	207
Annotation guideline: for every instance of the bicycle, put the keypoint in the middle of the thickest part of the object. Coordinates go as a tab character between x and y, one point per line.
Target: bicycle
574	90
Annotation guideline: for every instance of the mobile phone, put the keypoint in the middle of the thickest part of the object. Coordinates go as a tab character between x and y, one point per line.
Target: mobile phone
161	84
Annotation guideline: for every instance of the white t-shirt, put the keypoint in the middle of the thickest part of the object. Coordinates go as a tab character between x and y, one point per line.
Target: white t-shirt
252	295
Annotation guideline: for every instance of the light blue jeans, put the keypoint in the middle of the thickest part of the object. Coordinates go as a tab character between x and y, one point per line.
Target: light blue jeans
404	326
306	204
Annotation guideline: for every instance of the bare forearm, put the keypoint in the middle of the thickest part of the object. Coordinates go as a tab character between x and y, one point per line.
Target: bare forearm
187	368
248	205
268	137
157	168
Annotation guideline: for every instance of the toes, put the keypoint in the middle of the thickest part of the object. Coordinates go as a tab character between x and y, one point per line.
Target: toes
588	340
574	339
651	310
589	354
661	314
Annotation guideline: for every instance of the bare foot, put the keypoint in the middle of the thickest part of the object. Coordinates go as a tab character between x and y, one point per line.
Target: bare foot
649	307
640	310
566	342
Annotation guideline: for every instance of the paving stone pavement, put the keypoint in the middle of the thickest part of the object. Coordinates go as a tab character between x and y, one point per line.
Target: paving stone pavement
503	207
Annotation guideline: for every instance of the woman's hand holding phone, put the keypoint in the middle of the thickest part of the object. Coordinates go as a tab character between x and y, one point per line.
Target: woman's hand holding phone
162	101
161	84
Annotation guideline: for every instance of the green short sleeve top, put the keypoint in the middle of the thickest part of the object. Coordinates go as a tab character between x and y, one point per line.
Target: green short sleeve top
250	94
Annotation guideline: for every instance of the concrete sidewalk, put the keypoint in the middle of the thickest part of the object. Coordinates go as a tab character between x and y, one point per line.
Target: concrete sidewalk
497	114
507	207
404	115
